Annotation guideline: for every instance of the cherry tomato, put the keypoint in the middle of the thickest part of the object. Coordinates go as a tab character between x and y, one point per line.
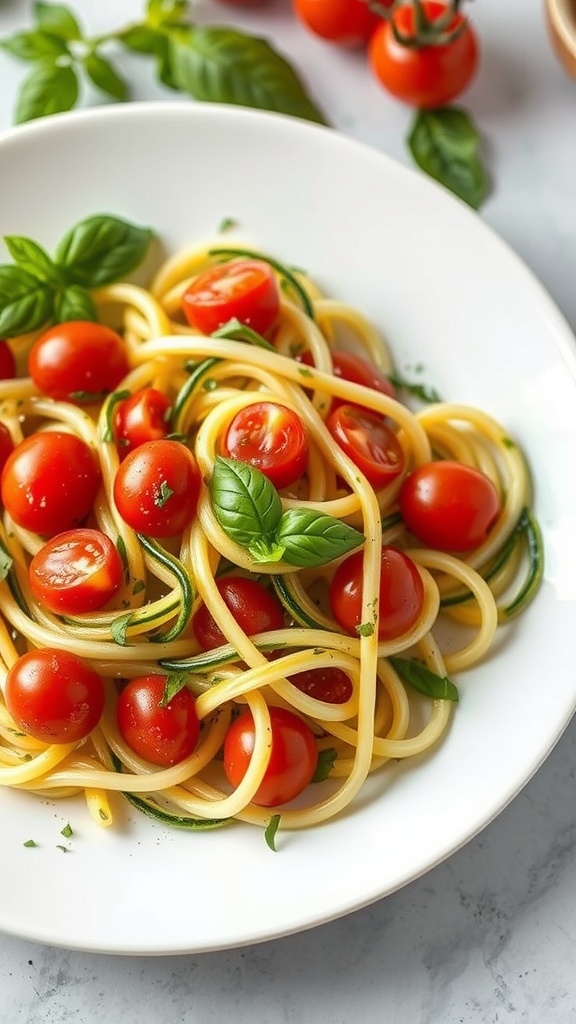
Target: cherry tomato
50	482
368	441
156	488
244	289
449	506
6	445
75	572
7	362
78	361
271	438
358	370
255	609
141	417
163	735
401	596
330	685
293	757
426	76
54	696
347	22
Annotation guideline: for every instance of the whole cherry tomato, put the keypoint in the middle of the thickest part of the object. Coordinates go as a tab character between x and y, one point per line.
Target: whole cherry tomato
368	441
293	757
144	416
50	482
255	609
156	488
271	438
6	445
7	362
78	361
347	22
449	506
76	571
328	684
163	734
54	696
427	74
401	598
242	289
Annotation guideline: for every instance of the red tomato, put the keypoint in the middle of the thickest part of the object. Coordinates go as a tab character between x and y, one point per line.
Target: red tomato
255	609
347	22
78	361
449	506
162	735
401	596
424	76
156	488
293	757
142	417
77	571
358	370
6	445
330	685
54	696
50	482
369	442
7	362
244	289
271	438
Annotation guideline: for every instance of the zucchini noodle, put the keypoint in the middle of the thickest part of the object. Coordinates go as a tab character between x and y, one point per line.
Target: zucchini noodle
146	628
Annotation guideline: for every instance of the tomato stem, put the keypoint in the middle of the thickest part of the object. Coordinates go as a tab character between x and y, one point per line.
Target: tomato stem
428	31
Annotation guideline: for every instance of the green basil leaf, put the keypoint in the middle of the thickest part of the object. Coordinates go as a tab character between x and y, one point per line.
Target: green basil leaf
58	20
266	550
118	628
425	392
48	89
164	68
102	249
25	302
246	505
325	764
140	39
271	830
423	680
34	45
311	538
74	303
221	64
105	77
444	143
6	562
175	681
32	258
241	332
158	12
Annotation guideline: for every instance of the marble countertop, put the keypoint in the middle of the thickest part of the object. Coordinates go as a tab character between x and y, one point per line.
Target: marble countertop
490	935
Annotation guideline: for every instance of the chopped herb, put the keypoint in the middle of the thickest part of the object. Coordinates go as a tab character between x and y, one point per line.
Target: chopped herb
138	587
67	831
271	830
5	563
365	629
30	843
209	384
118	628
163	494
87	396
65	849
420	678
508	442
175	681
226	224
121	546
305	372
325	764
424	392
103	814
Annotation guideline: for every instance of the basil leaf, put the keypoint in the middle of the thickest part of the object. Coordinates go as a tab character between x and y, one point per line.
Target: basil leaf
48	89
32	258
140	39
164	68
118	628
241	332
270	832
58	20
102	249
444	143
158	12
311	538
246	505
221	64
425	392
25	302
74	303
175	682
34	45
423	680
325	764
6	562
105	77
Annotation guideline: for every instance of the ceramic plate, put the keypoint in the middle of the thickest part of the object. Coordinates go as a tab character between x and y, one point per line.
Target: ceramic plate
449	295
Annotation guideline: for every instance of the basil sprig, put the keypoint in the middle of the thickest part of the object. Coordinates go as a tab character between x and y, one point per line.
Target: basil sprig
444	143
37	290
249	510
420	678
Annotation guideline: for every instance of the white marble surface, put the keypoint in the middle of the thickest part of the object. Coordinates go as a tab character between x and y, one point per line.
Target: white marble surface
490	935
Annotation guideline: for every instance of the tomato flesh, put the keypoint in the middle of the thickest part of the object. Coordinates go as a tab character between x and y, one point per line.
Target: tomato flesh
254	608
6	445
270	438
356	369
243	289
330	685
75	572
54	696
449	506
7	361
400	601
293	756
163	735
156	488
369	442
78	361
142	417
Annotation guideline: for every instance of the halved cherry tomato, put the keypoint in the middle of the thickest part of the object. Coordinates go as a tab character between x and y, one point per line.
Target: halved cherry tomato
424	75
50	482
449	506
7	362
75	572
352	367
156	488
255	609
243	289
369	442
161	734
347	22
271	438
78	361
293	757
330	685
401	598
141	417
54	696
6	445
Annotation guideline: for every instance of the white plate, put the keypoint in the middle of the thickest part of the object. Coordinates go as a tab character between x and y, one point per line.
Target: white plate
450	295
